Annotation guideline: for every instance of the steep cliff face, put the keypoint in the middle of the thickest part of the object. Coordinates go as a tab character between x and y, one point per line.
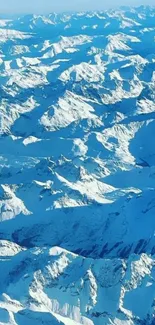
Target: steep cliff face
77	168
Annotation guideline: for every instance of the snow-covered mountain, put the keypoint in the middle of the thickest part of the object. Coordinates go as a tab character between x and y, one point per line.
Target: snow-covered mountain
77	168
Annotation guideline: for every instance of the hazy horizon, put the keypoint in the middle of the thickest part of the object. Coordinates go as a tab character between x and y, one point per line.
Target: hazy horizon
13	7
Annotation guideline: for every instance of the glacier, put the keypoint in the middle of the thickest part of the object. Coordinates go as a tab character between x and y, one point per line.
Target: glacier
77	168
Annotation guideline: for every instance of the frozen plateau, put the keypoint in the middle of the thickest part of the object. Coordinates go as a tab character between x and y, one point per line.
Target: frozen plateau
77	168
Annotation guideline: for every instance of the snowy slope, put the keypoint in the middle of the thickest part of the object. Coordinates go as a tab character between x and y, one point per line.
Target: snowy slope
77	168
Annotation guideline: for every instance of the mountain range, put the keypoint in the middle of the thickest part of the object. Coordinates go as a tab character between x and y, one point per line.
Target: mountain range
77	168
